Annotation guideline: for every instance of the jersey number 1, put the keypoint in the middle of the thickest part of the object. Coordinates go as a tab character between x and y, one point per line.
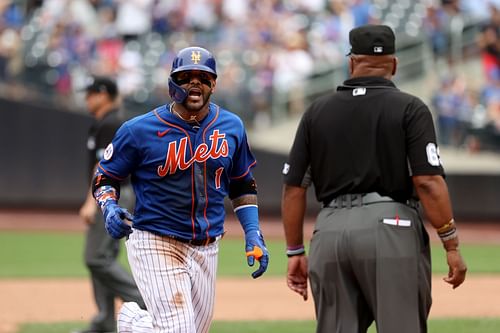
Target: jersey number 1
218	174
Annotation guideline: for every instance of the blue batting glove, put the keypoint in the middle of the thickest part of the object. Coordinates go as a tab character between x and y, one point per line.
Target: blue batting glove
114	223
255	248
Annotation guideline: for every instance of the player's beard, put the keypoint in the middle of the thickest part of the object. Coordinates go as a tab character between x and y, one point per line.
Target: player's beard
197	103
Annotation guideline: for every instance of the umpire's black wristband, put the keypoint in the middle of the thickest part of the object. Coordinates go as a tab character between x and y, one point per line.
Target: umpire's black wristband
292	251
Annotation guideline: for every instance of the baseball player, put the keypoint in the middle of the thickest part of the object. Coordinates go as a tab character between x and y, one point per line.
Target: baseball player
184	159
109	278
370	150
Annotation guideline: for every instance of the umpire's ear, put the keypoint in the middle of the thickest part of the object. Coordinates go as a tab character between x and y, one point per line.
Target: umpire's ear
395	62
351	65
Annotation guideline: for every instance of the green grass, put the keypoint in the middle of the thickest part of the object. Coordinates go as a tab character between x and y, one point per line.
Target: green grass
31	254
435	326
480	259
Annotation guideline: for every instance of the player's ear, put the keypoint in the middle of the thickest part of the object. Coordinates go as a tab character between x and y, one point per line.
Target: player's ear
214	84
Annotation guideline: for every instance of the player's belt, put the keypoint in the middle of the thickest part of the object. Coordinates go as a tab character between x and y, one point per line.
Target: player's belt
361	199
198	242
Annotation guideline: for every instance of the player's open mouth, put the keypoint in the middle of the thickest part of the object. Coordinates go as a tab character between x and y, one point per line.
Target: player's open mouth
194	92
194	95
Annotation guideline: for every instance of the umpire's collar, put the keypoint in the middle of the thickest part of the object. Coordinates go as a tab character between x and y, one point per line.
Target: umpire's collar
367	81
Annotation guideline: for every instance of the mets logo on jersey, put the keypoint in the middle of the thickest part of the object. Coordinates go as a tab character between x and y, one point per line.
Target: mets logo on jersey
195	57
176	153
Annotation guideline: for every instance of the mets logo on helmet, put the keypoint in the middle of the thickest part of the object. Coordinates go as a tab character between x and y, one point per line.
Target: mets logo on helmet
195	57
176	155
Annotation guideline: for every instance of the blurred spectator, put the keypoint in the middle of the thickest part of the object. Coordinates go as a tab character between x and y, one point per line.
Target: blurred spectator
434	25
483	123
493	109
489	44
479	9
167	16
130	76
11	15
361	11
133	18
453	111
235	10
11	20
443	24
201	15
479	119
292	66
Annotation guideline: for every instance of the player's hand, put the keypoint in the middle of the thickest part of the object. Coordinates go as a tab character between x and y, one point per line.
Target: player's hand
296	277
457	268
255	248
115	224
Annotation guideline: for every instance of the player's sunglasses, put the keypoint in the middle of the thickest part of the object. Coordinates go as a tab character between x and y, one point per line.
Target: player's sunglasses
186	77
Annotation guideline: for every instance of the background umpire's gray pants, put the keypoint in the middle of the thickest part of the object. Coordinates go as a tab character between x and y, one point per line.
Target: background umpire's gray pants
362	269
109	278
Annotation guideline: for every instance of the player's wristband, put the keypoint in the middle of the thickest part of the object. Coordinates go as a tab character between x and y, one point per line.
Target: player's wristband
292	251
104	195
248	215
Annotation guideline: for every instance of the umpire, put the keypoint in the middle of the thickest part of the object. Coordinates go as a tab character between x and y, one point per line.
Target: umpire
370	151
109	278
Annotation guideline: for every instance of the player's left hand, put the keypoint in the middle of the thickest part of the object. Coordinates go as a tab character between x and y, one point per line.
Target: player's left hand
255	248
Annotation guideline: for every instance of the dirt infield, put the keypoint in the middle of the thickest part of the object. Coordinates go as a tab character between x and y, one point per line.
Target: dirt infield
51	300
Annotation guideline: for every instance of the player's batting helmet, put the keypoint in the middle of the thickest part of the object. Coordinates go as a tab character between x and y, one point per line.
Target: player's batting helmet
188	59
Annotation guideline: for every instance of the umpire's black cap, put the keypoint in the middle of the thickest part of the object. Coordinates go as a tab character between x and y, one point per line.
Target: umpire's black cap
103	84
372	39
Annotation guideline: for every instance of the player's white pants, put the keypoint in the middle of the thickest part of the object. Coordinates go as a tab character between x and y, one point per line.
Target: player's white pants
132	319
176	281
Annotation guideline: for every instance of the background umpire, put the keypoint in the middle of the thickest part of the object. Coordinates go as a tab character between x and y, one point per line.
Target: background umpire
368	148
109	278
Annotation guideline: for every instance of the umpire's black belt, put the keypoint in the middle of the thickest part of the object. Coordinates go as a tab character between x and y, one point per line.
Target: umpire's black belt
361	199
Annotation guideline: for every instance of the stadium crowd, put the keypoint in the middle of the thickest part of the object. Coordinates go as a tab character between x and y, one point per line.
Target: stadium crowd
468	115
263	48
260	45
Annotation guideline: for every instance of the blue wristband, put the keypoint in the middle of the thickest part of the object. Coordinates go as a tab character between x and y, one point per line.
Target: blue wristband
248	215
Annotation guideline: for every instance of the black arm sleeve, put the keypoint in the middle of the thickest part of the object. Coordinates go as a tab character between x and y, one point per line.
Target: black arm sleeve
241	187
101	179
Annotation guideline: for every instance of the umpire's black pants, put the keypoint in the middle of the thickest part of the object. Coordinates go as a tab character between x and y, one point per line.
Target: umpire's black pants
370	262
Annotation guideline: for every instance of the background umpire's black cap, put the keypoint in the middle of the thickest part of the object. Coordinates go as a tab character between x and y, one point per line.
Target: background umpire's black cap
372	39
102	84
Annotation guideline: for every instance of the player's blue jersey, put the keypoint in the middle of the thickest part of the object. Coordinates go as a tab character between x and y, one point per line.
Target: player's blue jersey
180	174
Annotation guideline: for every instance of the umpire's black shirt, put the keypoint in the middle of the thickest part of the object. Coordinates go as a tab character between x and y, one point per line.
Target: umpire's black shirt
366	137
100	135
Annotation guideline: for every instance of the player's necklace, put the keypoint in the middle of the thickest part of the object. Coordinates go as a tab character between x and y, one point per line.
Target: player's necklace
192	119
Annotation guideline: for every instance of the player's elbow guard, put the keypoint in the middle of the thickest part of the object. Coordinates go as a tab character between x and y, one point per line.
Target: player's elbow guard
101	179
242	187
